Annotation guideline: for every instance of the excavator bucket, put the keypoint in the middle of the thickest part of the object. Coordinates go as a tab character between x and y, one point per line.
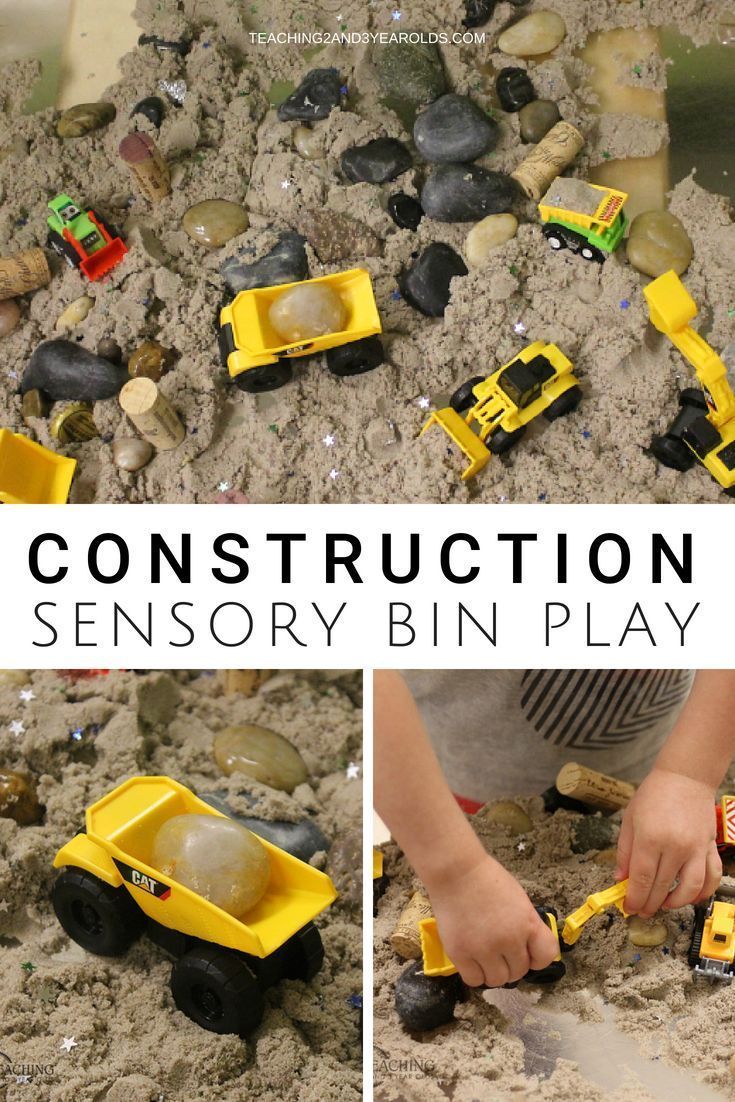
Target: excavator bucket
460	433
669	303
104	260
436	961
31	474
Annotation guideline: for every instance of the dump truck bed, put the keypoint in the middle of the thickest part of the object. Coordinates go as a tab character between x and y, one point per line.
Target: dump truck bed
581	203
31	474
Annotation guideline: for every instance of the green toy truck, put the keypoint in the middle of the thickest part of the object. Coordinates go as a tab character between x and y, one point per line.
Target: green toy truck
586	218
82	239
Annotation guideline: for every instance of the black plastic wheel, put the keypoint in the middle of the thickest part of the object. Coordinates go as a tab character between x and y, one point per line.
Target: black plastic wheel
499	441
555	239
672	452
565	403
463	397
305	954
589	252
695	946
728	491
63	249
551	974
355	358
257	380
112	230
102	919
217	990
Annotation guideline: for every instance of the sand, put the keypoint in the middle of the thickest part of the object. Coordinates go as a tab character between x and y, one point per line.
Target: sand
132	1043
226	142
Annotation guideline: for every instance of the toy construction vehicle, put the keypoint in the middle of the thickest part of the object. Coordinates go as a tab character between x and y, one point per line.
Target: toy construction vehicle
82	239
380	880
704	428
586	218
258	360
31	474
538	380
712	949
108	893
726	826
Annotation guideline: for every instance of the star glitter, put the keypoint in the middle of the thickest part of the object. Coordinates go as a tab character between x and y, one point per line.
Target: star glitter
27	695
521	847
423	402
28	966
12	375
23	1079
343	90
395	16
396	296
286	184
16	727
352	771
329	440
223	487
68	1044
586	434
77	734
519	328
334	474
624	303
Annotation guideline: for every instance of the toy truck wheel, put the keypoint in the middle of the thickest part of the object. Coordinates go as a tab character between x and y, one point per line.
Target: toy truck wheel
499	441
564	404
672	452
695	946
463	396
551	974
257	380
305	954
555	239
355	358
218	991
102	919
63	249
589	252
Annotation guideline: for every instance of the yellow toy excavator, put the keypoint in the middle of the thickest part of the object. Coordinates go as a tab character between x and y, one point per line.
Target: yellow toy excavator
704	428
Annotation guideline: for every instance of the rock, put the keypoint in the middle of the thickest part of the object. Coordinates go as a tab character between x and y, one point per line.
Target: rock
426	284
265	756
130	454
74	424
592	832
426	1002
487	235
405	211
608	858
317	95
375	162
18	798
157	699
302	839
306	311
538	33
658	242
63	369
215	221
478	12
215	857
646	932
466	193
150	361
9	316
410	71
34	404
109	350
554	801
514	88
74	314
537	118
308	143
509	815
151	108
335	236
454	129
84	118
285	263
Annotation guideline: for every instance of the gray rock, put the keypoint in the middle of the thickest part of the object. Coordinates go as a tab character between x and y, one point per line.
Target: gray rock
335	236
466	193
426	1002
301	840
317	95
63	369
478	12
537	118
409	71
375	162
454	129
425	285
593	832
285	263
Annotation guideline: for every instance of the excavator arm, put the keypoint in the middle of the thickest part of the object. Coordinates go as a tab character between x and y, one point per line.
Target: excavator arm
594	905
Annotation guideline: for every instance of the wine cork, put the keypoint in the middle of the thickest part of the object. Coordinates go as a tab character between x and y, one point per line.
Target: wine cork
406	938
548	159
146	166
151	414
23	272
246	682
592	788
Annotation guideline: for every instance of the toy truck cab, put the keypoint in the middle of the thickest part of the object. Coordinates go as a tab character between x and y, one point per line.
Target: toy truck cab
712	948
82	239
586	218
31	474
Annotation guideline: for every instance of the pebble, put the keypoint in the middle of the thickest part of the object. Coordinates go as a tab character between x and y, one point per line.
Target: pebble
410	71
537	33
658	242
9	316
34	405
307	311
152	108
150	361
308	143
18	799
316	96
478	12
454	129
63	369
215	857
405	211
285	263
608	858
514	88
487	235
83	118
537	118
265	756
466	193
302	839
130	454
426	1002
376	162
426	284
335	236
509	815
215	221
592	832
646	933
110	350
74	314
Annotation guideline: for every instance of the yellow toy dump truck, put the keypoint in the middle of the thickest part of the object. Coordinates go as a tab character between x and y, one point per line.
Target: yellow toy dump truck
258	360
31	474
712	949
586	218
538	381
704	429
108	893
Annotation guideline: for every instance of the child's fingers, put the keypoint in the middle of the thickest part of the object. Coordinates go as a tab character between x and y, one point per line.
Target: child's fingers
625	845
651	877
713	874
496	970
470	971
691	882
542	946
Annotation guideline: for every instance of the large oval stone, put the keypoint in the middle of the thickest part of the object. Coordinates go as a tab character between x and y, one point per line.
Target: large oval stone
466	193
453	128
317	95
307	310
410	71
130	454
537	118
508	814
18	798
9	316
65	370
657	243
214	221
426	1002
426	284
376	161
537	33
261	754
83	118
285	263
487	235
646	933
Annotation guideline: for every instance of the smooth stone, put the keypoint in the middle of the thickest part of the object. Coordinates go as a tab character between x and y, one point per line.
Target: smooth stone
538	33
405	211
646	933
608	858
489	234
509	815
9	316
592	832
302	839
478	12
130	454
285	263
63	369
306	311
150	361
426	284
514	88
537	118
215	857
454	129
308	143
18	798
335	236
34	404
657	243
426	1002
264	755
74	314
410	71
152	108
317	95
215	221
466	193
110	350
376	162
83	118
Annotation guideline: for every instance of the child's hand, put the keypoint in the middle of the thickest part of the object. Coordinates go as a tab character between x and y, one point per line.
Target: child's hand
668	834
488	925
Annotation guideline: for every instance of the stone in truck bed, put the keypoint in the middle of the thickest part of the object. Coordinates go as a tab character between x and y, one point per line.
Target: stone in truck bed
571	194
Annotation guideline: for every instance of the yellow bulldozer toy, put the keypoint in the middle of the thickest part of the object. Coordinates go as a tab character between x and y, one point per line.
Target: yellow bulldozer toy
31	474
712	949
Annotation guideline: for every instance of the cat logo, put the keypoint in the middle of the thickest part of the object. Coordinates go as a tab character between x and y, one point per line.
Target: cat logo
142	880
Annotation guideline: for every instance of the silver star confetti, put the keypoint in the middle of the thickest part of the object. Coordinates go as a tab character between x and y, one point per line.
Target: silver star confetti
175	90
68	1044
223	487
395	15
23	1079
519	328
286	184
16	727
27	695
423	402
521	847
334	474
329	440
353	771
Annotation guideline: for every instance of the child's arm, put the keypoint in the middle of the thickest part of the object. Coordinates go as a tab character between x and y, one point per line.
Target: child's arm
487	922
668	830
